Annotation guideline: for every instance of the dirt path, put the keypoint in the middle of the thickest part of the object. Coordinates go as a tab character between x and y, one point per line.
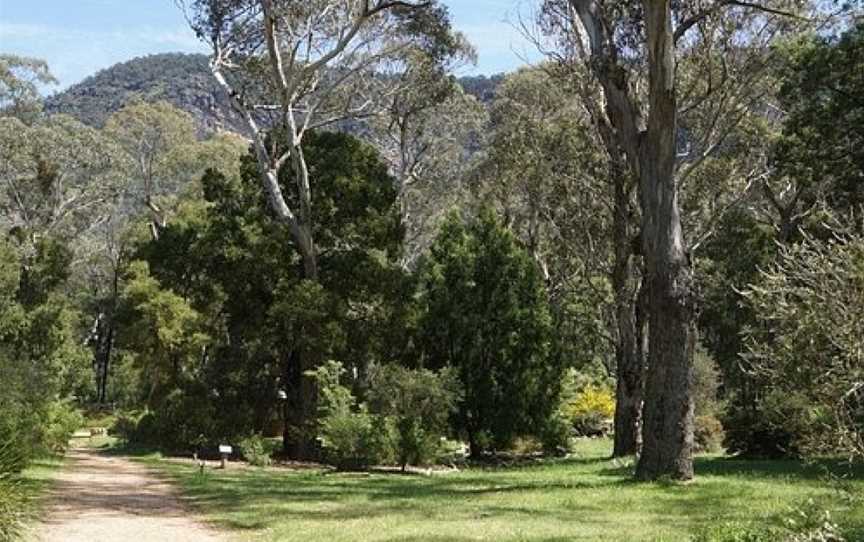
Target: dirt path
98	498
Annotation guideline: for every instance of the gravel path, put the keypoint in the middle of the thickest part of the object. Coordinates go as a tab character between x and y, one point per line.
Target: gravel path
99	498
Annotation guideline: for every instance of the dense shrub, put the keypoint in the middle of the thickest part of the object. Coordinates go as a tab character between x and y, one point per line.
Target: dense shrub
737	532
13	506
708	434
255	451
344	427
12	499
346	438
420	403
806	354
63	419
773	426
556	434
183	421
405	420
124	427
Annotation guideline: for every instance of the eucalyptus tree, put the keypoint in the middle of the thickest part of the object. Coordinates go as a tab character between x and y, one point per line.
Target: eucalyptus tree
59	178
20	78
543	170
635	51
301	66
428	134
158	140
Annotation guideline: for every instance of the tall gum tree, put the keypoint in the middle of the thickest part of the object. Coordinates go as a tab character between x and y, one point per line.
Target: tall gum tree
633	50
298	66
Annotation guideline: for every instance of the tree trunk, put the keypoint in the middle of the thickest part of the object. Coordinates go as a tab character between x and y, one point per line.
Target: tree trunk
628	355
298	440
668	415
105	364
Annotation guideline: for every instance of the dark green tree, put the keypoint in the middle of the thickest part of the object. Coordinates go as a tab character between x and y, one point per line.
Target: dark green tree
233	261
486	314
821	150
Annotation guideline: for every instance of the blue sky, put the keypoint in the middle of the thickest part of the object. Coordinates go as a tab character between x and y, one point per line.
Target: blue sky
79	37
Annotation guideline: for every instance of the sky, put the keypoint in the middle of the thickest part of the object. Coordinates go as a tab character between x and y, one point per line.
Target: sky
80	37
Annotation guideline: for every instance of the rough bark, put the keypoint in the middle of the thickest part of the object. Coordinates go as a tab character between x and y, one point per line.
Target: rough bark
628	356
668	412
647	139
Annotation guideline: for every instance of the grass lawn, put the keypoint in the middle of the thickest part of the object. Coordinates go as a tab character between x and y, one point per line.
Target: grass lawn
585	497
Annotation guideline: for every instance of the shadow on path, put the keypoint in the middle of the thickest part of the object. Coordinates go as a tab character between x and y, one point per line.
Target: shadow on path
97	497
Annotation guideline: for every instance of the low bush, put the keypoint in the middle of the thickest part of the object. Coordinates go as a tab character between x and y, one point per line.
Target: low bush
181	422
255	451
124	427
451	452
777	425
344	427
12	499
63	419
805	523
345	437
708	434
404	421
420	403
737	532
556	434
13	506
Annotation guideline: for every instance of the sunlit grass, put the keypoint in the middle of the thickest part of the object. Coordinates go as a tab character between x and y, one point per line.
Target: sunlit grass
34	482
584	497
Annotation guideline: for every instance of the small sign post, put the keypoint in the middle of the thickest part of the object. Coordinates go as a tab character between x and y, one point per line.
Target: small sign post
225	451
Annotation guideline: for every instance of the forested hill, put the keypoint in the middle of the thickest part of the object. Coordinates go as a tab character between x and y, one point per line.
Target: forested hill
185	81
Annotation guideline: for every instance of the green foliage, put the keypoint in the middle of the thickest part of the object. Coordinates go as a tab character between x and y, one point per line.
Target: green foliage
184	420
63	419
555	437
13	501
808	353
254	450
419	403
807	522
19	91
708	434
822	145
344	427
42	361
737	532
485	314
125	427
405	420
189	320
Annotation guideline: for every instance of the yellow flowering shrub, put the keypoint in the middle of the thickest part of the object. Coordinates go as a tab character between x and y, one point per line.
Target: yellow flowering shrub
591	410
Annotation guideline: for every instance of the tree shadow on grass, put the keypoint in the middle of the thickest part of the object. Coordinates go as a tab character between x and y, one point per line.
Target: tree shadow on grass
780	468
758	468
254	499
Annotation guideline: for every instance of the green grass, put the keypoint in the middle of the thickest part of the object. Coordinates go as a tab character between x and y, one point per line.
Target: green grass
34	482
586	497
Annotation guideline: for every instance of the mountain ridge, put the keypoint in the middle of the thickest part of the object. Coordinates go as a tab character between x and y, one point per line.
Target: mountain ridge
185	81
